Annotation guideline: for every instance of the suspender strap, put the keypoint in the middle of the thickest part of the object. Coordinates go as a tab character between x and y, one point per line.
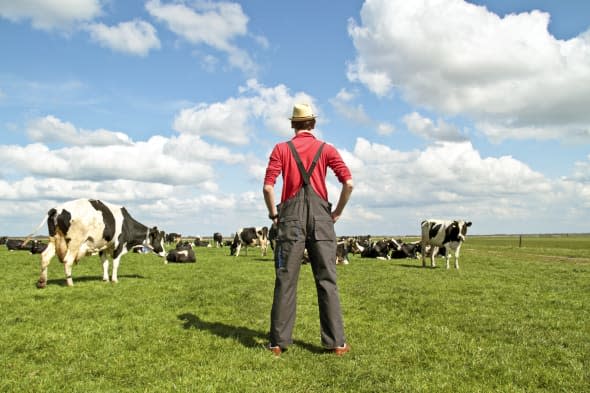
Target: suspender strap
305	174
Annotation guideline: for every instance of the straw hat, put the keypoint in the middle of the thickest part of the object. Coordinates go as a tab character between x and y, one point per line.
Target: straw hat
302	112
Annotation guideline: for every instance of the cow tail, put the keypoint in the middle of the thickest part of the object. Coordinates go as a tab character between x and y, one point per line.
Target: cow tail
29	236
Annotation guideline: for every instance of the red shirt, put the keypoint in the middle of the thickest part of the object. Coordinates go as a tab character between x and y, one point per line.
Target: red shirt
282	161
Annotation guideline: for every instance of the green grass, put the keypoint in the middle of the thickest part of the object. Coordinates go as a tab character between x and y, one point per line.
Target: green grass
513	319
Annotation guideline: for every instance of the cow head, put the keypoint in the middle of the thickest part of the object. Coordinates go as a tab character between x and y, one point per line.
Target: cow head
155	241
459	229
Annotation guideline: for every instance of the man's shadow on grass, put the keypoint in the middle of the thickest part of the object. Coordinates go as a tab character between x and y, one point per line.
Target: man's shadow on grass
247	337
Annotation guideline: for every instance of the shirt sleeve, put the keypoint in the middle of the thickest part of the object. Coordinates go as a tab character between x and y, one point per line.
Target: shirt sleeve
273	168
337	164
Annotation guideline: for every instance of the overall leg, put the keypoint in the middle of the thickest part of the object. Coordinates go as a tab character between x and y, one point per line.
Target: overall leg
323	256
288	255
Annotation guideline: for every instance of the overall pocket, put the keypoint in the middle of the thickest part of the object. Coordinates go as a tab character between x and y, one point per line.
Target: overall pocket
323	228
289	229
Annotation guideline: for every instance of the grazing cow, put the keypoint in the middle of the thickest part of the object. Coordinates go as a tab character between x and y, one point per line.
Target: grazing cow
218	239
88	226
3	239
440	233
249	237
182	253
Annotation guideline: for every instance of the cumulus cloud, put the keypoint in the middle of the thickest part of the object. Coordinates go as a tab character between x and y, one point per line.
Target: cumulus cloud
135	37
458	58
452	180
51	129
51	14
32	189
108	156
426	128
208	23
342	103
231	121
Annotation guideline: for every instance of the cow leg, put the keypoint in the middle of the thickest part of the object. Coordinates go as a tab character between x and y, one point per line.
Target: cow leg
68	262
423	254
434	251
238	249
45	259
447	257
116	261
457	251
105	266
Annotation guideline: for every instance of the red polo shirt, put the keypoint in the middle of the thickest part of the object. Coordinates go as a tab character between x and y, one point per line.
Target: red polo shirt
282	161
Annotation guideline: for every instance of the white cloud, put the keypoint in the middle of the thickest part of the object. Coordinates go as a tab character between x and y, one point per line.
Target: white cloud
52	129
426	128
398	189
208	23
458	58
385	129
135	37
149	161
51	14
343	105
230	121
191	147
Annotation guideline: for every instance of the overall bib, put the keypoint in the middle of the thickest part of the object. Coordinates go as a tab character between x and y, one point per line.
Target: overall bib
305	221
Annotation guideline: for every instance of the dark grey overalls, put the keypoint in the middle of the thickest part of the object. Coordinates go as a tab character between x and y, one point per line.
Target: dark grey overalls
305	221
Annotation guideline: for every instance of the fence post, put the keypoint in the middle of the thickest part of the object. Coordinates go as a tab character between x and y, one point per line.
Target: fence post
520	241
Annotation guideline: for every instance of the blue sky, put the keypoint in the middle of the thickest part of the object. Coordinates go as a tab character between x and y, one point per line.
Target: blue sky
442	109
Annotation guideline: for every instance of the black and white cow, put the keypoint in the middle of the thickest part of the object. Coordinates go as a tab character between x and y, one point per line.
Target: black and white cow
199	242
37	247
173	237
342	252
218	239
442	233
183	253
406	250
249	237
380	249
33	246
16	245
87	226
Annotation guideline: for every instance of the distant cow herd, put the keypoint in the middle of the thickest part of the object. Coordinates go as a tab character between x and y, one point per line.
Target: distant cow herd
88	227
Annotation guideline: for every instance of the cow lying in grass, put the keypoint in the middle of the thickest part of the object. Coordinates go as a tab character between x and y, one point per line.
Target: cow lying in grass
183	253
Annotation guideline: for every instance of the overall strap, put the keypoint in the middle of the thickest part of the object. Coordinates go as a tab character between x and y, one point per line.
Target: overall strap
305	174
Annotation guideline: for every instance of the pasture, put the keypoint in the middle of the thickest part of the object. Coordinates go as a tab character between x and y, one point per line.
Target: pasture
513	319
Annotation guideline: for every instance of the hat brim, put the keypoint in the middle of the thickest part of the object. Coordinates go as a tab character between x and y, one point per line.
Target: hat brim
302	118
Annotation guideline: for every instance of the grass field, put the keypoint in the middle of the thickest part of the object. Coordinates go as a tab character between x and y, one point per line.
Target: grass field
513	319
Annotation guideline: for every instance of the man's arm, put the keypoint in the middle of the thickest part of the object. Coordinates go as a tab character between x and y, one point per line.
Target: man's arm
269	198
347	187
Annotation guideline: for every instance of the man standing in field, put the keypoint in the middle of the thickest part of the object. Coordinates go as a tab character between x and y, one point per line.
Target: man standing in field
305	220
